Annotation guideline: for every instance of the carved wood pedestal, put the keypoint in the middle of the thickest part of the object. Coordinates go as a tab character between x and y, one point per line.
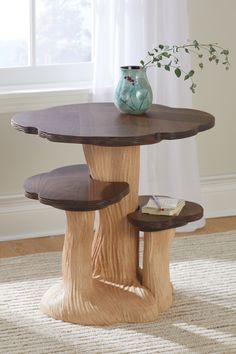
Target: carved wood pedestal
102	281
100	284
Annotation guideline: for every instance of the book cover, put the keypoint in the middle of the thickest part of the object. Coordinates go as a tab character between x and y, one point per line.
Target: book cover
163	206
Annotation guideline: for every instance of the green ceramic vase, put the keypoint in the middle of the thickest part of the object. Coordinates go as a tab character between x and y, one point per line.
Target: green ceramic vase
133	93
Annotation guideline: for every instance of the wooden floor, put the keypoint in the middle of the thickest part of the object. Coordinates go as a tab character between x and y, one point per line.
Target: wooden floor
55	243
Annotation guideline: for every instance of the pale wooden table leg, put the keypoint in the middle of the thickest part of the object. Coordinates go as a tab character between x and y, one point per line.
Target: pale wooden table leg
156	274
63	300
115	249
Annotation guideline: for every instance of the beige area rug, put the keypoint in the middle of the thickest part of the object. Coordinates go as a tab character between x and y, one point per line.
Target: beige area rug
202	319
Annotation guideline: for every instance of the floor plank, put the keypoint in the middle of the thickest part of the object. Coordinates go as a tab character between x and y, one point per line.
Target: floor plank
214	225
55	243
29	246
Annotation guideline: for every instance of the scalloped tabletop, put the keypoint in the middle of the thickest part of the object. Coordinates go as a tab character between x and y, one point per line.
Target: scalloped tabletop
71	188
102	124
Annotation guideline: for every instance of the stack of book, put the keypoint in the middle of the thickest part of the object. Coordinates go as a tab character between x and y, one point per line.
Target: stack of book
159	205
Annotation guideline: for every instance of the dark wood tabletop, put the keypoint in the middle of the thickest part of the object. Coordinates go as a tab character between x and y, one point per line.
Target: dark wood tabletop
102	124
72	188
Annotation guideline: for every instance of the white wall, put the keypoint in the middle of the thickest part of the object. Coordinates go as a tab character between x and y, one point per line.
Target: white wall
214	21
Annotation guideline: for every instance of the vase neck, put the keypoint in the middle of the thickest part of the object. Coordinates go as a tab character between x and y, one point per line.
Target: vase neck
133	71
131	67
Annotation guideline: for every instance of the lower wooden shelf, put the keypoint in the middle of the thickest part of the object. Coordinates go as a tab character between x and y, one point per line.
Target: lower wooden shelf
147	222
71	188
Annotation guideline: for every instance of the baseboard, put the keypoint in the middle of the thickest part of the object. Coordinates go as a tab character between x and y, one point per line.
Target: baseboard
219	195
24	218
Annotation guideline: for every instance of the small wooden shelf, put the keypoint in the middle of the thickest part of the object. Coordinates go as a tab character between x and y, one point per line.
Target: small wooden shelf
71	188
147	222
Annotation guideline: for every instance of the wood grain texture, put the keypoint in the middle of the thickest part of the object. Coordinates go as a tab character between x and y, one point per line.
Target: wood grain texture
72	188
102	124
156	274
147	222
81	299
115	248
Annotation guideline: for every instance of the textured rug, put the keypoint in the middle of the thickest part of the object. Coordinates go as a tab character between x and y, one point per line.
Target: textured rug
202	319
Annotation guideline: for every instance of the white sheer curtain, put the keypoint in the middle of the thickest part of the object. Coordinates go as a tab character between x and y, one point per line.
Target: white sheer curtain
124	31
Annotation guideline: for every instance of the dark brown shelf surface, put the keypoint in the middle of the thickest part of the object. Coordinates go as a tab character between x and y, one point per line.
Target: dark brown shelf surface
103	124
72	188
147	222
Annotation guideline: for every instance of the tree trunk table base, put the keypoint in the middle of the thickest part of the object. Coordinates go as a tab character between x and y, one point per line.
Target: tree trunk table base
101	283
80	298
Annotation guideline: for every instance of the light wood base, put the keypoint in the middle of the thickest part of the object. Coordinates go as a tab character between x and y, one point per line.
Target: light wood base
102	304
101	280
81	299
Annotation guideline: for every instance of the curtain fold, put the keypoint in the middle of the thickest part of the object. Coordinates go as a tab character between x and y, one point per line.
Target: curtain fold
124	31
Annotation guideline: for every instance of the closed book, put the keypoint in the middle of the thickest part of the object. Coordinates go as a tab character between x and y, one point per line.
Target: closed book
163	206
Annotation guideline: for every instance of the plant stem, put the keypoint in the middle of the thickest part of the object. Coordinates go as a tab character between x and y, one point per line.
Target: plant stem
162	53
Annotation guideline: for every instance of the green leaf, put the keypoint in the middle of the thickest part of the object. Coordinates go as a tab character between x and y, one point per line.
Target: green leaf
161	46
158	65
186	50
191	73
141	62
196	44
167	67
178	72
200	55
165	54
201	65
186	77
226	51
192	87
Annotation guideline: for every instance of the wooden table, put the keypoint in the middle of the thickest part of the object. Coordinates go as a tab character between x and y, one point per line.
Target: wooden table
103	282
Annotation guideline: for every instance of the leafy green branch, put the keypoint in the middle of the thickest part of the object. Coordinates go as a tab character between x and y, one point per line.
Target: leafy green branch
168	57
